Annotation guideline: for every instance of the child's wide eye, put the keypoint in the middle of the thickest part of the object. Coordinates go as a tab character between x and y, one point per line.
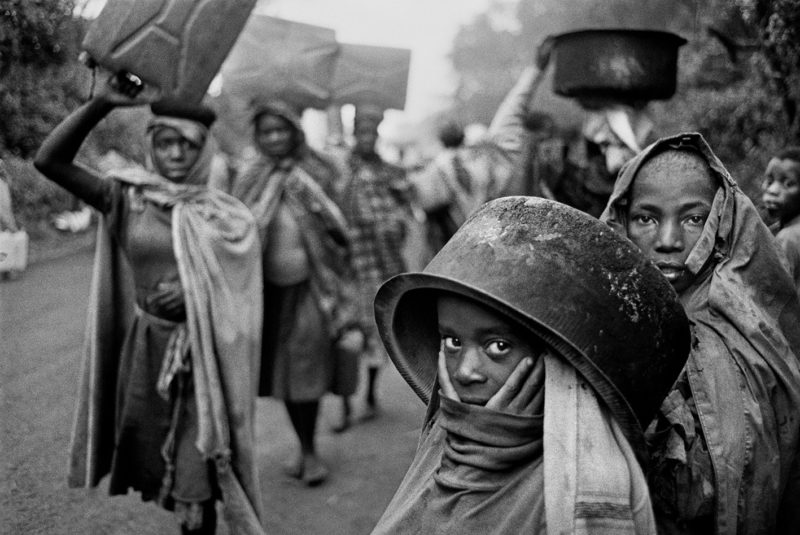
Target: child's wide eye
451	343
643	219
696	220
498	348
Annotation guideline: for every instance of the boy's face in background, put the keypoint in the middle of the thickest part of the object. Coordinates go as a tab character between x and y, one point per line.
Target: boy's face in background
781	189
481	347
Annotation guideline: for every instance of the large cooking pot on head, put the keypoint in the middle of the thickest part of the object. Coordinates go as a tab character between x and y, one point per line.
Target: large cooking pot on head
616	64
565	278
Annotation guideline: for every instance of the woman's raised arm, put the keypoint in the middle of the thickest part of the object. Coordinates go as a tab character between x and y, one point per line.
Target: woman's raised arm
55	158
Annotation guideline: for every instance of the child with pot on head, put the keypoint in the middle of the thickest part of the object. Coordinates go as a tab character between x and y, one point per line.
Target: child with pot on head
543	344
781	197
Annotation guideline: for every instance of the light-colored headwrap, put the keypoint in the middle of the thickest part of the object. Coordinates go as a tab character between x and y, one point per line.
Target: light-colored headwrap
206	167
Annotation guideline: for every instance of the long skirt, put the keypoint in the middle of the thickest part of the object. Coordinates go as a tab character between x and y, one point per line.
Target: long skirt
297	359
145	448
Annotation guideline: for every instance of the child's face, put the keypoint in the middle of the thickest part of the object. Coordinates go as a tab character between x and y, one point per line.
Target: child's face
481	348
781	189
670	201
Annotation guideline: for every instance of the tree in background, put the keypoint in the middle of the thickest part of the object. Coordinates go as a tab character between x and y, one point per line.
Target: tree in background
41	81
38	81
778	26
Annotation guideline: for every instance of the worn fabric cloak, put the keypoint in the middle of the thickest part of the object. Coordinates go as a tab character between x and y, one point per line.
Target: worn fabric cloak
743	369
219	262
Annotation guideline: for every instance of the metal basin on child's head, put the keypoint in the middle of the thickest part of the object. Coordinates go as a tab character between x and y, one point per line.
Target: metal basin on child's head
567	279
616	64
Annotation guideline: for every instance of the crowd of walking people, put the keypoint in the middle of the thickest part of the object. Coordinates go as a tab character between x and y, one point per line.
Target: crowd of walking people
609	349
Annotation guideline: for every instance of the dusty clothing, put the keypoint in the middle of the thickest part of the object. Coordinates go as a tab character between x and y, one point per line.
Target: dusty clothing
577	467
478	470
788	238
743	374
375	201
144	232
303	318
145	387
294	329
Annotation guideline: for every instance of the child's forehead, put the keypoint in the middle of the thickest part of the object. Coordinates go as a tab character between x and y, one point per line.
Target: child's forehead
785	164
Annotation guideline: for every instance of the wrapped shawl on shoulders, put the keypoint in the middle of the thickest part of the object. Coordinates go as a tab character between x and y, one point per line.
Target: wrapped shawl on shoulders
261	186
743	369
219	262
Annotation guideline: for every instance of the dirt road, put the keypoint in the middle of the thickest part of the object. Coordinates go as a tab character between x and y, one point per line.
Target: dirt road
42	317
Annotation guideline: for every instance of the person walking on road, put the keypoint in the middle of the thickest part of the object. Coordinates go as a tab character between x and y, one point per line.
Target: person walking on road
167	394
375	199
311	329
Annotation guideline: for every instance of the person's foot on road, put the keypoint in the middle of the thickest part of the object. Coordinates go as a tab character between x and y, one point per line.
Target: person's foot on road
314	472
370	411
294	468
343	425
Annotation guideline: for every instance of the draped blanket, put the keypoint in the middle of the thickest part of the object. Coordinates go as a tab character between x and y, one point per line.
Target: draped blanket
592	480
262	186
743	369
219	262
478	470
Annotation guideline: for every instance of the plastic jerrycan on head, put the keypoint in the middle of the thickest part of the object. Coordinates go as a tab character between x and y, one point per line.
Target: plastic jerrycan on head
281	59
372	75
175	45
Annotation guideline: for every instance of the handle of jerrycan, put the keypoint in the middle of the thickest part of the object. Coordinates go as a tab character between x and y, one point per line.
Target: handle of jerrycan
126	88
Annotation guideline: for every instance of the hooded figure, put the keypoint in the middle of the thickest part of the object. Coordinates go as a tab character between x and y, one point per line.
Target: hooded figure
724	444
308	295
605	339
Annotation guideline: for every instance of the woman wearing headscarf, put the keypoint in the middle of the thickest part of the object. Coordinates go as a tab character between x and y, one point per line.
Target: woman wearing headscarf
724	445
167	393
556	341
311	331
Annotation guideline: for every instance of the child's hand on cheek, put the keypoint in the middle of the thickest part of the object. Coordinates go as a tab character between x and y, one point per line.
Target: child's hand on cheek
523	391
445	383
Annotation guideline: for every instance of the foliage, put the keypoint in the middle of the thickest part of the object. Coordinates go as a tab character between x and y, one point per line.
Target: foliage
41	81
34	32
38	46
487	60
33	198
778	26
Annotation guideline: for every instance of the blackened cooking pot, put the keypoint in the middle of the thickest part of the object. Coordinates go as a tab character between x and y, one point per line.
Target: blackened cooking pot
616	64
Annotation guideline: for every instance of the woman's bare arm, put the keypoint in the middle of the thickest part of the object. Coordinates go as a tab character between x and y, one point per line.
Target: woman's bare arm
55	158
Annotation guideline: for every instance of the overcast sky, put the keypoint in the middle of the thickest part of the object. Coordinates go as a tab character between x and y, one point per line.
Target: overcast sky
427	27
